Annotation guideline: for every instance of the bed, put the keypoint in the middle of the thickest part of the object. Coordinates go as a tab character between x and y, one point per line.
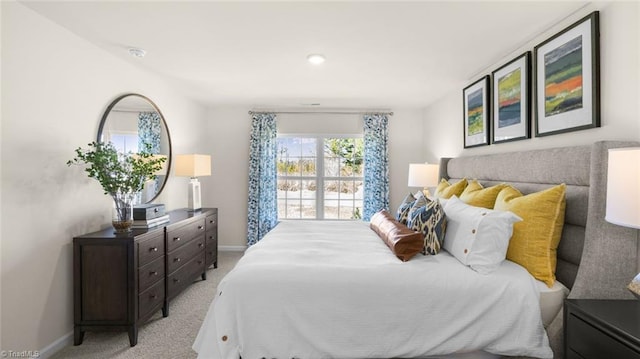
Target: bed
305	291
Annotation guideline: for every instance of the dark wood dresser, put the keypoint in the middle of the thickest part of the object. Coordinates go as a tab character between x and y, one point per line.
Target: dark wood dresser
120	281
595	328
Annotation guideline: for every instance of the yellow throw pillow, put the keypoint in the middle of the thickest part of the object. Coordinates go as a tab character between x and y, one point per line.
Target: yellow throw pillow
447	190
476	195
535	240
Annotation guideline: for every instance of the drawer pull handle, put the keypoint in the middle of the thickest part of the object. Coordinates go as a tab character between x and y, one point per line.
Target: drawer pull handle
177	259
210	237
176	238
199	262
176	280
153	249
200	245
153	273
212	221
153	296
200	228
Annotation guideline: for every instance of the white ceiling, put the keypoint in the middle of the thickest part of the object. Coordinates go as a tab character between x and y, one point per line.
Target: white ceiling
380	55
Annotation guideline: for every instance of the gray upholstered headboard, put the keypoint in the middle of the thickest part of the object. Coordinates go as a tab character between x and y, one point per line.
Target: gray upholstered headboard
596	259
532	171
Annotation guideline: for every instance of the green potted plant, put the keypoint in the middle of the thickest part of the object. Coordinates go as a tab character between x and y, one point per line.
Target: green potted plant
122	176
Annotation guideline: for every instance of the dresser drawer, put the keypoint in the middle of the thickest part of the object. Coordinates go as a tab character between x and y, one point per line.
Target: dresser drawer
589	342
150	273
177	237
151	300
212	236
150	248
185	275
183	254
211	221
211	247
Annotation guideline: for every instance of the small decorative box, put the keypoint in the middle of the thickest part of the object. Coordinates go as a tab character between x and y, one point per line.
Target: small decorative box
148	211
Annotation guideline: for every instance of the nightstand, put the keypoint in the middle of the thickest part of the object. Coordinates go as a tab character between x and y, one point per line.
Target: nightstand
598	328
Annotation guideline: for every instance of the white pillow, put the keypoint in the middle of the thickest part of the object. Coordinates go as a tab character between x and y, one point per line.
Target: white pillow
443	201
477	237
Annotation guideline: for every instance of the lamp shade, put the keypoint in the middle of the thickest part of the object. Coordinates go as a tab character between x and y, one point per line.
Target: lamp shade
193	165
423	175
623	187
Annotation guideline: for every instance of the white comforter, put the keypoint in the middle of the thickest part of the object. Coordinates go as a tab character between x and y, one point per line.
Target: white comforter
313	289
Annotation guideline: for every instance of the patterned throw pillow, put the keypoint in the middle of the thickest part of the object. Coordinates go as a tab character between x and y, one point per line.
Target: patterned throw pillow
420	201
431	221
402	214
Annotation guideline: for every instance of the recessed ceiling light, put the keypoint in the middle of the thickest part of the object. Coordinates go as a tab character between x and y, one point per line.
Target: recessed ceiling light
316	59
137	52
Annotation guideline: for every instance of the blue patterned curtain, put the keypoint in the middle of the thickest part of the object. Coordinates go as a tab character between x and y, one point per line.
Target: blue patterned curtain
149	131
376	165
263	207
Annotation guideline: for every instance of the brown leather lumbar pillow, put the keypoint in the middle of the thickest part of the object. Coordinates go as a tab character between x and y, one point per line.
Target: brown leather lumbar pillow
403	241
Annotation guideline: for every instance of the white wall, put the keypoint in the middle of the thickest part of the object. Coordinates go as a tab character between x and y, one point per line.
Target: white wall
405	142
229	128
55	87
620	81
318	123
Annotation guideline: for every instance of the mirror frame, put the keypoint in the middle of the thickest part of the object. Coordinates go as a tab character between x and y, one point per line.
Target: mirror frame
164	123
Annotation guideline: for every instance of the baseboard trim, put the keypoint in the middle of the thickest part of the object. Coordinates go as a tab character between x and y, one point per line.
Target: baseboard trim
232	248
56	346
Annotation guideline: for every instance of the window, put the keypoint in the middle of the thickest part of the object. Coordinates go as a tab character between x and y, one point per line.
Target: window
320	177
125	142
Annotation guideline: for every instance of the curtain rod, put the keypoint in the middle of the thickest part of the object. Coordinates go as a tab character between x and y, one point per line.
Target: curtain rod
327	112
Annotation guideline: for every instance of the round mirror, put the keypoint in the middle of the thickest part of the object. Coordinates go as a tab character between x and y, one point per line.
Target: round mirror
133	122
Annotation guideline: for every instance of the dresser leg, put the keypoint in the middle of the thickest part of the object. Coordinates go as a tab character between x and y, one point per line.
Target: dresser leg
204	275
165	311
78	336
133	335
215	264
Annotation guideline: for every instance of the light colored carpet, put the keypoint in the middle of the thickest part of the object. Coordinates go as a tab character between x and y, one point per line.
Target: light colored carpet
169	337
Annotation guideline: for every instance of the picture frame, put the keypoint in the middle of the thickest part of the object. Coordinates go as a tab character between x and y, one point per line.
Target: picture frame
567	79
511	100
476	110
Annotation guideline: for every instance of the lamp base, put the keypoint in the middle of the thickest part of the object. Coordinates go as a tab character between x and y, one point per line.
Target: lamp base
194	199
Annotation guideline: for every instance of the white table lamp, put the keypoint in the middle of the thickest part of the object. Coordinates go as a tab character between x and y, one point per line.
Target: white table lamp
623	194
193	166
423	175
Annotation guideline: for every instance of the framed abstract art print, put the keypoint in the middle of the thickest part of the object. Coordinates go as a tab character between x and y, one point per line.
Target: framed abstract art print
567	79
476	113
511	98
